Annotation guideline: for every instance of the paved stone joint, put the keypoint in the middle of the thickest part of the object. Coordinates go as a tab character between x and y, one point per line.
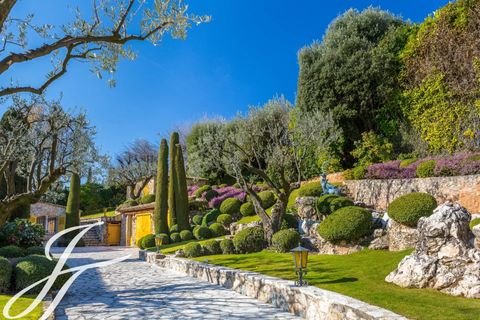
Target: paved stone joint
134	289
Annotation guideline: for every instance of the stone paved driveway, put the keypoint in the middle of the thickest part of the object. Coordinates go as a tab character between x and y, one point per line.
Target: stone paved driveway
136	290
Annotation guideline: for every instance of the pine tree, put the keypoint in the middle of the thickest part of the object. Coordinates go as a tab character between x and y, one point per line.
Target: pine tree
174	141
160	214
72	218
181	193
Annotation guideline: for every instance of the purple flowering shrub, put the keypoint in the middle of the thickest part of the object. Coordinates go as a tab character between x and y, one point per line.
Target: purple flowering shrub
457	164
225	193
191	190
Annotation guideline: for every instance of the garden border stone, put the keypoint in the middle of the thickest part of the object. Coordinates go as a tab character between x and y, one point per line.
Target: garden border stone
308	302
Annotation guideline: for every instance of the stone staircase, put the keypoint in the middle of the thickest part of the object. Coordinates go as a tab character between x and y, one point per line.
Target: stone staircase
91	238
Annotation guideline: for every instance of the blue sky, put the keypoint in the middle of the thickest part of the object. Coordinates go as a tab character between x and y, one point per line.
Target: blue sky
244	56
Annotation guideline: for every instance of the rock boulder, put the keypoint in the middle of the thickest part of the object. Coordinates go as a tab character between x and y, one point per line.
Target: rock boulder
444	257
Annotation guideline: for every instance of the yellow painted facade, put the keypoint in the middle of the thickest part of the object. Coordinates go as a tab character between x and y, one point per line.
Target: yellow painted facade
143	225
113	234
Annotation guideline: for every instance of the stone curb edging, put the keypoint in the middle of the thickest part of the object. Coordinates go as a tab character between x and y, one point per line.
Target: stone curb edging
307	302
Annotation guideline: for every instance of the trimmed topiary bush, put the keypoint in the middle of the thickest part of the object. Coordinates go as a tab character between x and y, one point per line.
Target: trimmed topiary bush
409	208
202	233
174	228
405	163
160	212
311	189
285	240
474	222
211	247
5	275
230	206
34	268
249	240
186	235
267	198
217	229
210	194
323	203
35	250
247	209
227	246
192	249
197	219
165	239
225	220
175	237
148	198
210	217
340	202
198	193
289	221
148	241
426	169
346	224
11	252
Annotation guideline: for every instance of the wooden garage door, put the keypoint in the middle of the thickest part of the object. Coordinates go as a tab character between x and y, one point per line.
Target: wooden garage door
113	234
143	226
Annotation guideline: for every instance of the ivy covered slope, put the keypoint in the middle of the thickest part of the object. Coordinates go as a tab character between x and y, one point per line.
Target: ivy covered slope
360	275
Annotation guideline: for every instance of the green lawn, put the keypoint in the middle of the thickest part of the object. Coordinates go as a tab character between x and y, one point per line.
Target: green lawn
98	215
360	275
19	306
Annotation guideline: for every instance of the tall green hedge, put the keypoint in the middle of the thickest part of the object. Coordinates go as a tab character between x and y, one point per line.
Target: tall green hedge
174	141
73	205
160	214
181	193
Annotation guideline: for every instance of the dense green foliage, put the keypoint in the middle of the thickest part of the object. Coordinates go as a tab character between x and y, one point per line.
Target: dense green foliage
372	148
341	74
34	250
11	251
230	206
249	240
227	246
285	240
148	241
192	249
172	209
426	169
409	208
225	220
175	237
201	233
160	213
96	197
211	247
198	193
22	233
72	212
146	199
174	228
346	224
323	203
310	189
5	274
210	217
289	221
217	229
267	199
247	209
197	219
340	202
34	268
186	235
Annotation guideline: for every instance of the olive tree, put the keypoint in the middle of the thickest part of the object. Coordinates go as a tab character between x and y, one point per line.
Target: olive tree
270	144
39	143
99	36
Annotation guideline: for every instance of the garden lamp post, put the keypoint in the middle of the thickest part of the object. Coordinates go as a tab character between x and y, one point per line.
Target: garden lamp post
158	242
300	259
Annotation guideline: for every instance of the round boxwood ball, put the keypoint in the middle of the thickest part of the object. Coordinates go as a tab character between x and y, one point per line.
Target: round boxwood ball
230	206
311	189
192	249
217	229
197	219
247	209
267	199
148	241
346	224
164	238
5	275
34	268
11	252
323	203
340	202
409	208
474	222
211	247
174	228
202	233
198	193
175	237
35	250
224	219
249	240
149	198
227	246
285	240
186	235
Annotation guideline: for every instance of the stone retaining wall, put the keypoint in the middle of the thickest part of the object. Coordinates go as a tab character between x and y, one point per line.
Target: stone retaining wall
379	193
308	302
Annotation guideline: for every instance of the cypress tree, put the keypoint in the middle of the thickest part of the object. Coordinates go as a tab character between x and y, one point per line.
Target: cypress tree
72	218
160	214
172	218
181	193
